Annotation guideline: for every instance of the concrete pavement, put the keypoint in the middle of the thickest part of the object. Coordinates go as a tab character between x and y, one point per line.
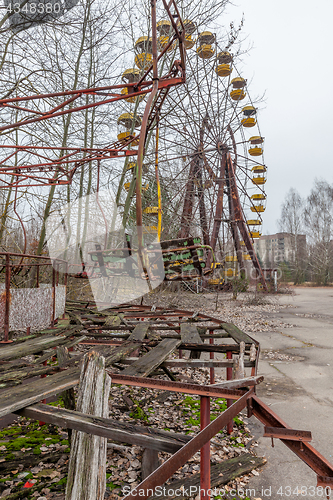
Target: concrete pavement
297	364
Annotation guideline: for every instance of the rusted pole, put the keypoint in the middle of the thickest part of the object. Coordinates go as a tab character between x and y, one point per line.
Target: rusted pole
211	356
37	277
53	297
142	140
7	304
205	450
230	424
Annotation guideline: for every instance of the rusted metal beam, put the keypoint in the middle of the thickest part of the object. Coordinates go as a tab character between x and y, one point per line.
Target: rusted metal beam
303	450
166	385
170	466
291	434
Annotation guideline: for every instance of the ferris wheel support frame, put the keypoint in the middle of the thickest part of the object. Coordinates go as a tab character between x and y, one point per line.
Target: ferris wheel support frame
240	222
23	174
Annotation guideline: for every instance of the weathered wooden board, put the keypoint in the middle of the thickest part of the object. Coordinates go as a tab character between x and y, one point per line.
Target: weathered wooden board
15	398
68	344
240	382
31	346
190	335
112	429
140	331
87	463
236	333
150	361
219	474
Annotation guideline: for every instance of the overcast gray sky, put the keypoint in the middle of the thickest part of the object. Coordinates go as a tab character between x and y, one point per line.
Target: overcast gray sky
291	60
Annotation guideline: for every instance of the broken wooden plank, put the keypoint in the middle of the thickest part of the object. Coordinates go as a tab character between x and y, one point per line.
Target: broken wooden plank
236	333
87	462
27	372
150	462
68	344
150	361
32	346
239	383
190	335
140	331
15	398
220	474
122	432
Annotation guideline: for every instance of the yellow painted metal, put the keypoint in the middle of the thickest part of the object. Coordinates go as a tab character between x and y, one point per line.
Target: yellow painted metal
249	111
223	70
224	57
162	41
144	44
205	51
230	272
246	256
132	99
151	229
127	119
127	186
238	83
189	42
189	25
258	196
214	281
254	222
206	37
237	94
255	151
255	234
258	208
123	136
256	139
151	210
249	122
259	180
163	27
130	165
231	258
144	188
257	169
144	60
159	192
131	75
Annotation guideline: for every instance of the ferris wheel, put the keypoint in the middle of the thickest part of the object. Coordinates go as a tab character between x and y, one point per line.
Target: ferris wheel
211	172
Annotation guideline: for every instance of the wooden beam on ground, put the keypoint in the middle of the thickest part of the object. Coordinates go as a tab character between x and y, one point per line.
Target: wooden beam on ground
87	462
236	333
150	361
123	432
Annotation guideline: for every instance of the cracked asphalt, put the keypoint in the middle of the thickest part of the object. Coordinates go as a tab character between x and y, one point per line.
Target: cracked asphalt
297	364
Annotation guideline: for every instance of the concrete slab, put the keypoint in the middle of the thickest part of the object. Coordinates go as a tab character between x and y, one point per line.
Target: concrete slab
300	391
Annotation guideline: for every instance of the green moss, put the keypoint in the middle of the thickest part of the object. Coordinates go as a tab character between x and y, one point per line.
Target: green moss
10	456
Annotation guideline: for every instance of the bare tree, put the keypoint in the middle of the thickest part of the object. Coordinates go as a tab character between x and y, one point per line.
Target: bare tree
292	222
318	219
